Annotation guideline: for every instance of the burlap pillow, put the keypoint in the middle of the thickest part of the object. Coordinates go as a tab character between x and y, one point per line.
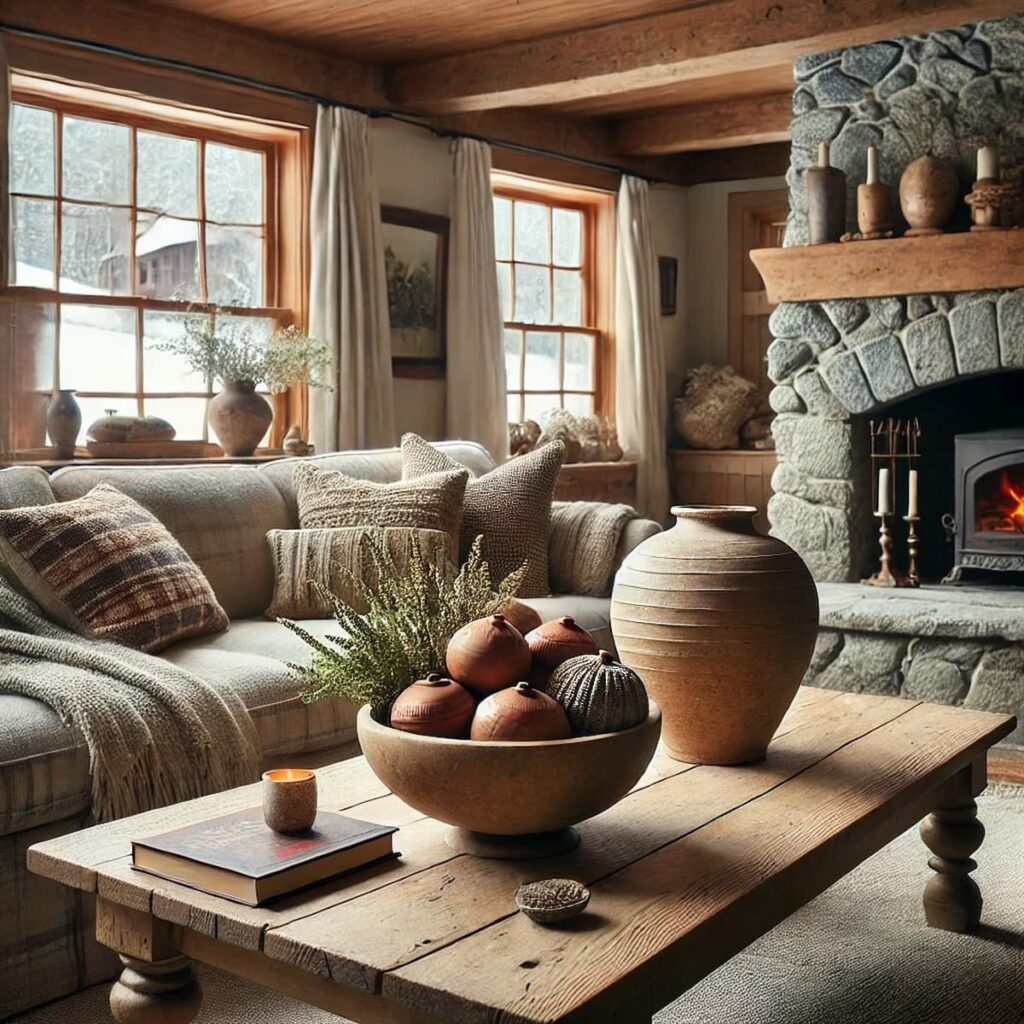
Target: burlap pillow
327	498
510	507
333	558
106	567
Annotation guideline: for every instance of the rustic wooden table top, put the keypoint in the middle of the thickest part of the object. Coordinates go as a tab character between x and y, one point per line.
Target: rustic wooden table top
688	869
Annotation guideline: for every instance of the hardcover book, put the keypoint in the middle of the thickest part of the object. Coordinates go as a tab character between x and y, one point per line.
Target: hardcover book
238	857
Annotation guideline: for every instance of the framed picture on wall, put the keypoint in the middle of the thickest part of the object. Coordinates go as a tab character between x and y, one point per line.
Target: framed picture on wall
668	273
416	261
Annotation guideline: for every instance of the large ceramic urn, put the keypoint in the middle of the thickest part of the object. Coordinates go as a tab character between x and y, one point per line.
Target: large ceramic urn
720	622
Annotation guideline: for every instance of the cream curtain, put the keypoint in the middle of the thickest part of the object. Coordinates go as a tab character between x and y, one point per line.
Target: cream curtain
6	241
477	407
348	307
640	389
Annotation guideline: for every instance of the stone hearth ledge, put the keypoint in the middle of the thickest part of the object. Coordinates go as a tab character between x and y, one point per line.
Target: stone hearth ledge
950	645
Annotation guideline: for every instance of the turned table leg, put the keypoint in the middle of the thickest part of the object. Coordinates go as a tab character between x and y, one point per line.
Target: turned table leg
952	899
160	992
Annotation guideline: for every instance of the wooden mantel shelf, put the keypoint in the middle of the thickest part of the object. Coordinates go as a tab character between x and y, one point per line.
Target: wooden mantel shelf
964	262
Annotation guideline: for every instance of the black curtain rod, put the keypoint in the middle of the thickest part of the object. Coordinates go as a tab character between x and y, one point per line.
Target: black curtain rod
245	80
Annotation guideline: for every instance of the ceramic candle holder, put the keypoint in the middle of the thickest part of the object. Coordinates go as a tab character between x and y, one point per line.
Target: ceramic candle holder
289	799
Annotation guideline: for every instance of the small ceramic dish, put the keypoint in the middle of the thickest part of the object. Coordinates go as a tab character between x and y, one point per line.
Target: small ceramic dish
552	900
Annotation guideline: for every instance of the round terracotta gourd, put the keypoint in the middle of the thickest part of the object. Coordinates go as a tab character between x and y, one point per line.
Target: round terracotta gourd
434	706
520	713
559	640
599	694
488	654
521	615
720	621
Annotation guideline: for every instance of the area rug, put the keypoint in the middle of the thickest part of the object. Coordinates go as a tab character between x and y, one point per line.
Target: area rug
859	953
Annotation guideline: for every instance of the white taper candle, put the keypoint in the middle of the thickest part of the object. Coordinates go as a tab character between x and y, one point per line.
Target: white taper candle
988	163
872	165
912	493
884	497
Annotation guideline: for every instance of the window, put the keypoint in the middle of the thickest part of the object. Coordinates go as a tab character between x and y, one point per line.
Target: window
125	222
548	280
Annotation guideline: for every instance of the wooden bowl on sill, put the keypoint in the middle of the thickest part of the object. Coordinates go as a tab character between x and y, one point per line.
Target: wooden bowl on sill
510	799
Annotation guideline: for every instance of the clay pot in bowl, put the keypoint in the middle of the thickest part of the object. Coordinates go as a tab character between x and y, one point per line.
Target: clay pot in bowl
488	654
509	799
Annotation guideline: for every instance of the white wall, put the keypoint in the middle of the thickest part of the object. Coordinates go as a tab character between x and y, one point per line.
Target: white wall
707	267
669	210
414	169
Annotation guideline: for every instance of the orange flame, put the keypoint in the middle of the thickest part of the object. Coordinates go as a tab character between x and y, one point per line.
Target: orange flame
1007	515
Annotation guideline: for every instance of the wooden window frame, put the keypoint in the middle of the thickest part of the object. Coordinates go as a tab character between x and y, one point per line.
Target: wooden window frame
597	207
286	150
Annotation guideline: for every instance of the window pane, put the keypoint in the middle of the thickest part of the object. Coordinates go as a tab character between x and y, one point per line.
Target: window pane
166	257
505	290
186	415
95	160
166	175
533	294
31	150
94	408
97	348
513	343
566	237
579	362
531	232
164	371
502	228
568	297
543	357
33	242
580	405
234	185
234	266
514	410
535	406
94	249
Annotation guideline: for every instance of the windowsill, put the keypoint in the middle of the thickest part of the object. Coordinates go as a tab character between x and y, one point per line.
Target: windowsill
83	458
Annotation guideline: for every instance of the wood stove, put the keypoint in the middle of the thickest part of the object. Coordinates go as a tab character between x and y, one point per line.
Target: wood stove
988	523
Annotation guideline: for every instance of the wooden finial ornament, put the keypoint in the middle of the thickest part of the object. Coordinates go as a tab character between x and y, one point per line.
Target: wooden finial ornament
874	205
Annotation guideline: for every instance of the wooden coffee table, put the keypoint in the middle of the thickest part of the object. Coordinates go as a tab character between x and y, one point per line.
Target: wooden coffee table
688	869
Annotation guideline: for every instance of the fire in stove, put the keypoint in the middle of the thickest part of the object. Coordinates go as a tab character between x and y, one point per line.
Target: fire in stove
999	502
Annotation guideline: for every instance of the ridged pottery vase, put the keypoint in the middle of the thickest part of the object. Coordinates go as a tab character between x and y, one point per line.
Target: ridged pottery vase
720	623
240	417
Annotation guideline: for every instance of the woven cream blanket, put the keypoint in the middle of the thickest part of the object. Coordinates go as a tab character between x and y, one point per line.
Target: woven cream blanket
584	539
155	733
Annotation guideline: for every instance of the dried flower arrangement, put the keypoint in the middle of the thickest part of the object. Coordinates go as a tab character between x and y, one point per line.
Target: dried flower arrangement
413	610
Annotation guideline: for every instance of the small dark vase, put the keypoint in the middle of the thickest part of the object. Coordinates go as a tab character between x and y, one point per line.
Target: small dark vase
63	422
240	418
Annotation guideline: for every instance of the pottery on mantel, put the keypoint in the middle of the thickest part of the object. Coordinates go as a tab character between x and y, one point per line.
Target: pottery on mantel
240	417
720	622
63	422
929	193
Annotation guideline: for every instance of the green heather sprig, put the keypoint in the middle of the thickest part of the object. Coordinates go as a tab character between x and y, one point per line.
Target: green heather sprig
412	610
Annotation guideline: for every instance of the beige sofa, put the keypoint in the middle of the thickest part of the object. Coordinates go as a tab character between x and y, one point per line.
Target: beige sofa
221	515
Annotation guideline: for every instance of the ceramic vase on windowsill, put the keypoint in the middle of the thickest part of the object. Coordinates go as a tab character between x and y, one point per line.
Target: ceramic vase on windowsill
63	422
240	417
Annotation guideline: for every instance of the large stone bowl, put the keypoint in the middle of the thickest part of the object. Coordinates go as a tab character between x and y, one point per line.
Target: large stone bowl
510	799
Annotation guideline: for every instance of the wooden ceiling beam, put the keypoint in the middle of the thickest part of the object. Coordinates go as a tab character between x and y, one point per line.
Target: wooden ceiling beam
749	121
768	161
712	39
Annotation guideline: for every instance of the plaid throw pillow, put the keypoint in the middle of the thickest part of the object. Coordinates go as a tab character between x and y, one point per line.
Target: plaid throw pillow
510	506
106	567
327	498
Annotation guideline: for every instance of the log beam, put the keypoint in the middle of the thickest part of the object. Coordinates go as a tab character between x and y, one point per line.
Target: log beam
712	39
751	121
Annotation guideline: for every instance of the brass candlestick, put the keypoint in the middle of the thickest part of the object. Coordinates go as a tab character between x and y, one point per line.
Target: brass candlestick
887	576
913	550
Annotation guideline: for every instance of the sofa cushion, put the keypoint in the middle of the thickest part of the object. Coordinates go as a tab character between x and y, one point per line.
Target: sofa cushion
510	507
328	498
25	485
108	568
338	560
382	465
219	514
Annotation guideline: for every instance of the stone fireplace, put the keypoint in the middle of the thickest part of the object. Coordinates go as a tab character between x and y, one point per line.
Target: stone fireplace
952	360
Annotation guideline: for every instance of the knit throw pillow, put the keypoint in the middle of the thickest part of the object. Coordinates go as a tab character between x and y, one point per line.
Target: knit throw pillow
510	507
327	498
338	560
106	567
